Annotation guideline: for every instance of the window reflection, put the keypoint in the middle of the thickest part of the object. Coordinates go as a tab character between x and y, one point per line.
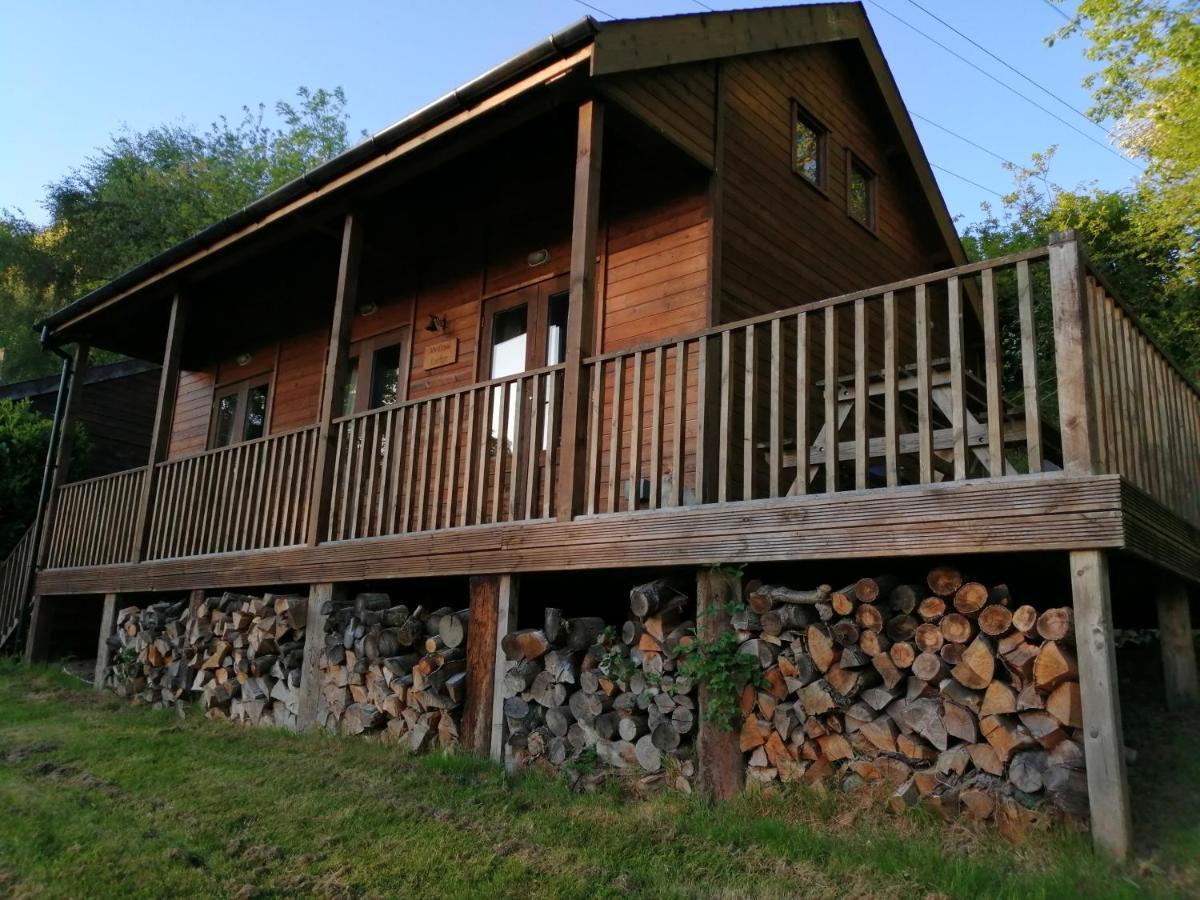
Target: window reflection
256	413
509	332
385	376
226	415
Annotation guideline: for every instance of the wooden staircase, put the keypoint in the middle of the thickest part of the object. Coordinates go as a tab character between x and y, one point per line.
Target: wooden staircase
14	588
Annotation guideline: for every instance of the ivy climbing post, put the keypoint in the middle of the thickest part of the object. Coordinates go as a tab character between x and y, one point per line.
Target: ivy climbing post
719	755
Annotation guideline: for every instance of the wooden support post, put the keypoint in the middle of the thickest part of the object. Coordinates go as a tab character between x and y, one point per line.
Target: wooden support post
62	458
1103	739
160	437
507	595
721	766
581	316
320	598
475	730
37	639
1068	292
1178	645
108	619
336	368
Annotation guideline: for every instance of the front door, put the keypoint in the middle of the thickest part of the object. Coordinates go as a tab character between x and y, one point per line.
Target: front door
525	329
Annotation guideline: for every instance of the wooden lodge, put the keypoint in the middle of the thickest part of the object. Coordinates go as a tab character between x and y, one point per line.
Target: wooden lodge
655	293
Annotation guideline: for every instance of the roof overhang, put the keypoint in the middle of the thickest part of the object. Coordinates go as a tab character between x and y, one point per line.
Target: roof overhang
602	48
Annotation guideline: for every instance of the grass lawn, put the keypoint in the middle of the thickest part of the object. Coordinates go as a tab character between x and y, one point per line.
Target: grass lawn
99	799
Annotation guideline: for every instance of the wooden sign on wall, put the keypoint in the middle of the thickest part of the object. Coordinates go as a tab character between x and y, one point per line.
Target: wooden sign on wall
441	353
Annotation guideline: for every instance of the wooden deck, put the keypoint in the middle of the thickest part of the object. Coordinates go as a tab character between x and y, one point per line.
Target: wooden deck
940	390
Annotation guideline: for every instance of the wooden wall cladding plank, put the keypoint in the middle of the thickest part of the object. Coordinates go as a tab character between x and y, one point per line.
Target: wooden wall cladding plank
785	242
676	101
193	404
298	380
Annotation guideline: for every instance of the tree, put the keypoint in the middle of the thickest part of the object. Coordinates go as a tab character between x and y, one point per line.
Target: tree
143	193
1149	82
1144	267
24	438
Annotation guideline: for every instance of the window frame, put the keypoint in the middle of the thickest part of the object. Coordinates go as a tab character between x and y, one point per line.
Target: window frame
364	350
240	389
854	161
536	297
801	114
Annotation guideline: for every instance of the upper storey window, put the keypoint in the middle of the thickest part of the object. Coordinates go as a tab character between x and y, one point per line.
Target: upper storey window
808	146
860	191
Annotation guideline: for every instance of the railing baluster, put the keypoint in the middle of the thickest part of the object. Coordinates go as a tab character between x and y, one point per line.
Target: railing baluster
452	466
958	387
657	388
423	462
516	403
635	431
595	426
485	429
775	454
533	447
703	404
435	497
614	438
832	446
501	452
862	396
992	375
749	400
549	482
891	398
802	430
679	423
924	387
723	438
1029	374
464	511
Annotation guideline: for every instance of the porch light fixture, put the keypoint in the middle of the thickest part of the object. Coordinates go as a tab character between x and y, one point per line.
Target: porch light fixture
436	323
367	309
538	258
243	359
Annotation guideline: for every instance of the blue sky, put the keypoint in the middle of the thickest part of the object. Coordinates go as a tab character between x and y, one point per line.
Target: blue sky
75	72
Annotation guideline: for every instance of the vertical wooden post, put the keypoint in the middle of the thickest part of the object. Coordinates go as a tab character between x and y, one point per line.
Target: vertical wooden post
333	384
507	598
160	437
320	598
1178	646
1068	291
1103	739
37	639
721	767
62	457
585	221
475	731
108	619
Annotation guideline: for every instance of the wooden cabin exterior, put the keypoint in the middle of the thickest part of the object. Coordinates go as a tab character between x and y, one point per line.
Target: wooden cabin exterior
658	292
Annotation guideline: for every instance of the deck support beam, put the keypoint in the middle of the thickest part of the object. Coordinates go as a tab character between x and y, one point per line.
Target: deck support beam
320	598
1103	738
475	730
108	620
160	437
721	765
585	223
1178	646
336	369
507	598
37	637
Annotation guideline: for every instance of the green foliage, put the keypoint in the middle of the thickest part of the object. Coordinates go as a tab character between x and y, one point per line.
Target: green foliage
1149	82
585	763
24	437
716	664
1146	270
142	193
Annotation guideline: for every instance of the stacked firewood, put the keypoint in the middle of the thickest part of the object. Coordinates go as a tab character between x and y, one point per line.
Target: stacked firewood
386	666
240	654
964	699
577	687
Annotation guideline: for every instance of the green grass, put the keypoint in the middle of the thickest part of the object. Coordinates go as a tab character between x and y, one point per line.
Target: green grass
100	799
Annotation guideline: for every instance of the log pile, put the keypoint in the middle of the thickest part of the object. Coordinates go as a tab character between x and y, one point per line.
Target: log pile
238	653
395	670
576	690
967	702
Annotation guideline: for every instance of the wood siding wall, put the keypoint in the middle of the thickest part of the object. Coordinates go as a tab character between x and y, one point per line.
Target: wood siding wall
678	102
785	242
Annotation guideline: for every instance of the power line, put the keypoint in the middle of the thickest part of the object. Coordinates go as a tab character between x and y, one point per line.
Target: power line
703	5
1058	9
595	9
1005	85
1010	67
967	180
963	138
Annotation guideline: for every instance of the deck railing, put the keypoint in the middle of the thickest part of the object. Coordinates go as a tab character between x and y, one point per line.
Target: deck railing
895	385
945	377
15	572
480	455
94	521
250	496
1148	417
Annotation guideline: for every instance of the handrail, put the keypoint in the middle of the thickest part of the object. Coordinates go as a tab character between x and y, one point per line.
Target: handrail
229	448
15	572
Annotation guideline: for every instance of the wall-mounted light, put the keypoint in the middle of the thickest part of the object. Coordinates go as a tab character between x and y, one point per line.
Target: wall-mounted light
367	309
538	258
243	359
436	323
